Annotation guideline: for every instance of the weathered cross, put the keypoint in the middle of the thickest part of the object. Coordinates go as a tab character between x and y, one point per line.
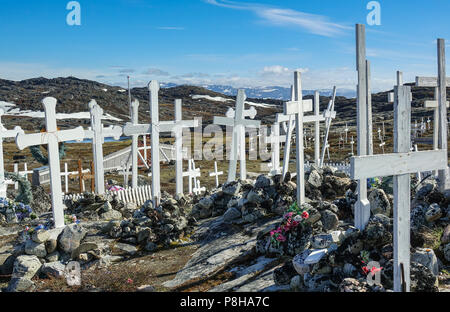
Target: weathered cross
4	133
216	174
275	139
52	138
296	108
84	175
238	140
155	128
400	165
440	108
98	134
330	114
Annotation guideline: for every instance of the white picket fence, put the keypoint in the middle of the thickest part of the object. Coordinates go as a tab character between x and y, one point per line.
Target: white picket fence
137	195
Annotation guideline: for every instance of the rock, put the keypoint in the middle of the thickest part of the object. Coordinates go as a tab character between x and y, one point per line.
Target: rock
111	215
433	213
143	234
315	256
26	267
263	182
231	214
379	203
205	203
447	252
378	231
256	196
231	188
296	283
425	189
422	279
21	285
284	274
41	236
427	258
445	239
349	269
352	285
53	257
70	238
314	215
53	269
51	245
299	262
329	220
322	241
121	249
35	249
42	201
128	210
151	247
315	180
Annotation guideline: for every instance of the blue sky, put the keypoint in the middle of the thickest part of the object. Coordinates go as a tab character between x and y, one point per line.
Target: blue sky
238	43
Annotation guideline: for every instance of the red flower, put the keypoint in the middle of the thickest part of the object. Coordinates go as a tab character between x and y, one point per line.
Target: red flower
366	270
305	215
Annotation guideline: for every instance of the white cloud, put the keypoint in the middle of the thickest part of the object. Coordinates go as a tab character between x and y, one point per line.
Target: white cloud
312	23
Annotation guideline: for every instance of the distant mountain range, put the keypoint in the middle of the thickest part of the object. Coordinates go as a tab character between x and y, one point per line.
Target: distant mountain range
271	92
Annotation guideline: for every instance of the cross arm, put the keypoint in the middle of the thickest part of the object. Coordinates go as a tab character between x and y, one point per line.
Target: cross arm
363	167
429	81
223	121
12	133
291	108
131	129
26	140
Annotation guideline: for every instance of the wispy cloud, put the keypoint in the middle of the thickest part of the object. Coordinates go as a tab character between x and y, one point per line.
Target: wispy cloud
312	23
155	72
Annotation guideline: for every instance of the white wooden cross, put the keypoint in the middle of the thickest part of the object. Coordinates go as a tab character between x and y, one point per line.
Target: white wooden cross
330	114
98	134
296	108
275	139
290	120
216	174
238	140
346	133
197	188
362	206
52	138
192	175
4	133
440	109
134	108
400	165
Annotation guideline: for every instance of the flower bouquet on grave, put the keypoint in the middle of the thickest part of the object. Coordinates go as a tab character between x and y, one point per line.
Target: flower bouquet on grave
294	217
21	210
69	219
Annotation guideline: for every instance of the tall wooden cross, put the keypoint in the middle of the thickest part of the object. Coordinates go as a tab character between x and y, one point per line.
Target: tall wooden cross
52	138
440	109
362	206
98	134
154	129
239	122
296	108
4	133
134	109
400	164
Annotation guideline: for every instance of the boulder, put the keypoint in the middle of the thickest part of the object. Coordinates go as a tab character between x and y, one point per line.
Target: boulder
26	267
21	285
447	252
70	238
284	274
427	258
35	249
445	239
329	220
231	214
111	215
53	269
315	179
263	182
121	249
433	213
41	236
379	202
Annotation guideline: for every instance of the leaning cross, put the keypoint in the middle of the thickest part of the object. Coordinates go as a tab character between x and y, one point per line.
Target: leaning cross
330	114
238	140
52	138
440	105
4	133
98	133
400	165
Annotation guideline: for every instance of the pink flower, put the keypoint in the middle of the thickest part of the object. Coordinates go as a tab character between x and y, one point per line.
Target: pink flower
129	281
281	238
288	215
374	270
